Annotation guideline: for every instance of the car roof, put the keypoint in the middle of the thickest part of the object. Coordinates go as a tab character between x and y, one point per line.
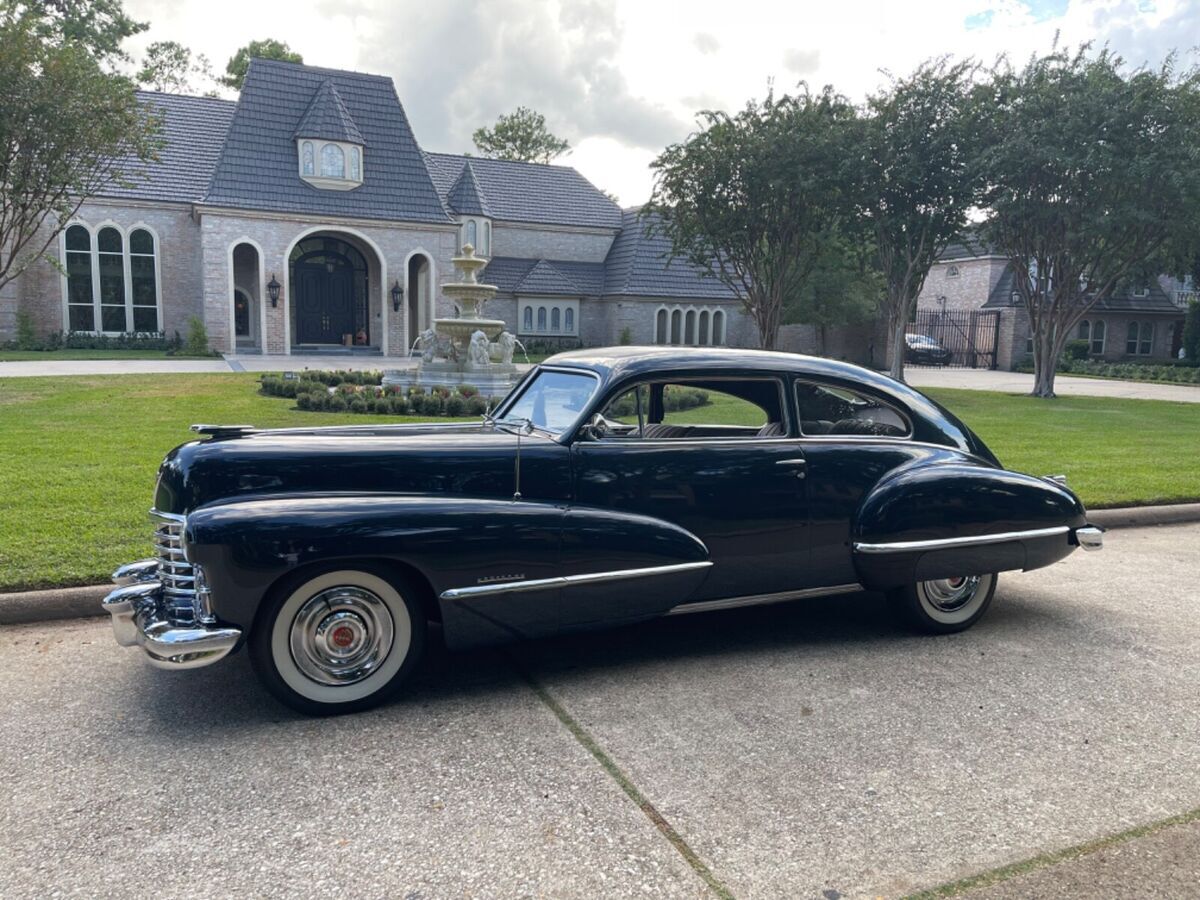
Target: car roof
617	363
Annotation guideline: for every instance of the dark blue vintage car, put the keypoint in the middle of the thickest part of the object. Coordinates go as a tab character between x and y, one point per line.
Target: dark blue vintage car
610	486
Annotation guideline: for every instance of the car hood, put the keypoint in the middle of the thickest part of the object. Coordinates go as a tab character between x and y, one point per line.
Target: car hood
473	460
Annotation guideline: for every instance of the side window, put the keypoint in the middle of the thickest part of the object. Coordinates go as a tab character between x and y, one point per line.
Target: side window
826	410
689	405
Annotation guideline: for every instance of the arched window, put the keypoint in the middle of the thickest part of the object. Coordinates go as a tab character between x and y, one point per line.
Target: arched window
676	326
81	302
487	238
555	321
718	337
1085	333
704	327
469	233
660	327
306	163
952	271
112	280
355	165
689	327
569	321
143	282
333	162
541	318
527	319
1098	330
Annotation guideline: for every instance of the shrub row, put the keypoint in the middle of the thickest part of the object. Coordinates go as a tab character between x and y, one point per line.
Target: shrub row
1175	371
361	392
76	340
674	399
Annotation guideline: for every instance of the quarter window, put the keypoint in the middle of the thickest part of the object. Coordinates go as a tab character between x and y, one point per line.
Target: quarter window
829	411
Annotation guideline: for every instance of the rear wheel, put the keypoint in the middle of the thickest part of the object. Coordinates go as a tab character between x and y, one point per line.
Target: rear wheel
945	605
340	640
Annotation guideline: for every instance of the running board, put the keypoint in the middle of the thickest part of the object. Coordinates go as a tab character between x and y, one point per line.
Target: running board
763	599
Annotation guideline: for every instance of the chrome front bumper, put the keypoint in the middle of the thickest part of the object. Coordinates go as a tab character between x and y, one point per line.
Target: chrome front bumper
1090	537
140	620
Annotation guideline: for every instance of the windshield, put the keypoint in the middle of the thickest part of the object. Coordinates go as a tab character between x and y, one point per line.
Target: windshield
552	400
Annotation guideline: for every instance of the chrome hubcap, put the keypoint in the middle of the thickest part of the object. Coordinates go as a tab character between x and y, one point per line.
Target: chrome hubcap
341	635
950	594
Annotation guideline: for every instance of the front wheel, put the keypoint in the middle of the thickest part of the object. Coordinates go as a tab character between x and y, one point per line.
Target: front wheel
945	605
338	641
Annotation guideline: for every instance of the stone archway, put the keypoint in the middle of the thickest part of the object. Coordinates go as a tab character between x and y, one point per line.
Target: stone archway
334	295
419	276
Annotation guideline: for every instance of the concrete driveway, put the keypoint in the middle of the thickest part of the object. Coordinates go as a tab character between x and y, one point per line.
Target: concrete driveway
1064	385
800	750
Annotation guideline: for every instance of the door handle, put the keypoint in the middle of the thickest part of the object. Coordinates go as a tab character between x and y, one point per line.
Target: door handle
800	465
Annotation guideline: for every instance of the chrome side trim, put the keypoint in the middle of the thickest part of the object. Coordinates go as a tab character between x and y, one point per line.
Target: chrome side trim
559	581
972	541
763	599
1090	537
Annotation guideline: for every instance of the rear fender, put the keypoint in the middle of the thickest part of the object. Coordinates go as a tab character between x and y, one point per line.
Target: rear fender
961	519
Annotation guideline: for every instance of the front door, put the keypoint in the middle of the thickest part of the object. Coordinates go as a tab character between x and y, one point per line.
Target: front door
324	303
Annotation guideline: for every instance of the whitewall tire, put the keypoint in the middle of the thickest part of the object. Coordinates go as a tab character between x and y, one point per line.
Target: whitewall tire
338	640
945	605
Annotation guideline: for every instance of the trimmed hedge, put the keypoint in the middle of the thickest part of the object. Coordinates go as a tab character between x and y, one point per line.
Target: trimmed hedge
1173	372
363	393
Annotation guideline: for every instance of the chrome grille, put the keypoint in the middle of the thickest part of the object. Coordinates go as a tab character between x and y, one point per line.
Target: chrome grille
174	571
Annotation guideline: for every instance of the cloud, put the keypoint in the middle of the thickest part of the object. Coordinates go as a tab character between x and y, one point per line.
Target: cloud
801	62
705	43
456	70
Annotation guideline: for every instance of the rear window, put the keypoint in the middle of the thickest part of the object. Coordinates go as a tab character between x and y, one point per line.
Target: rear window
829	410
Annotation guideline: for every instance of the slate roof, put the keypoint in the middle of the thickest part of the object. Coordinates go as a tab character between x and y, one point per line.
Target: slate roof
193	131
328	118
533	193
1156	300
557	277
968	246
466	197
638	265
258	167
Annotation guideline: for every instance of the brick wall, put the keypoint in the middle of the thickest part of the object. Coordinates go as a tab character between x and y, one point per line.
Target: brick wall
969	289
862	344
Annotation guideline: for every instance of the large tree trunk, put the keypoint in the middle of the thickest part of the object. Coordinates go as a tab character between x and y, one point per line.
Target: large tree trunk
1045	360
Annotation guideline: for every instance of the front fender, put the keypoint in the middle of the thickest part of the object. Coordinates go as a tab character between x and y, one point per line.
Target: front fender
962	510
453	542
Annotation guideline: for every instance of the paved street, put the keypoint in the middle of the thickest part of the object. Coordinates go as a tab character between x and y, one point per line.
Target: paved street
800	750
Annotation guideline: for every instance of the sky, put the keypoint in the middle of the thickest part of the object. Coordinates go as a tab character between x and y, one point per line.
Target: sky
621	79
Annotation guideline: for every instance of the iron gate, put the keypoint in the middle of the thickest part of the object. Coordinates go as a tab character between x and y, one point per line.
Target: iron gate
965	339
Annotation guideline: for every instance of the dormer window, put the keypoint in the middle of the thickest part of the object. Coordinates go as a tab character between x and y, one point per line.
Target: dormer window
478	233
331	165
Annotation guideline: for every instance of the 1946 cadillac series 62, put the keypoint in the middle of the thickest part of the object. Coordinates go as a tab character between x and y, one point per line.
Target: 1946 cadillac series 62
610	486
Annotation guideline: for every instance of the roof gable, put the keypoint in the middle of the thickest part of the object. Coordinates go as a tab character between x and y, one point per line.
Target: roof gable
532	193
327	117
258	168
466	197
544	278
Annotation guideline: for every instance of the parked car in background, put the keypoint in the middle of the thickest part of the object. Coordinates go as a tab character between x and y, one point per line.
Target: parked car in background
611	486
922	350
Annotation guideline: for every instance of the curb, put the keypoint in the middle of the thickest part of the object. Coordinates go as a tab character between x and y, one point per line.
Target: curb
81	602
57	603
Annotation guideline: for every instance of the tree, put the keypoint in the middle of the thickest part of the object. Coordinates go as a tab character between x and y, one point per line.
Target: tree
99	26
844	289
235	69
1091	172
169	66
521	135
68	129
753	200
919	179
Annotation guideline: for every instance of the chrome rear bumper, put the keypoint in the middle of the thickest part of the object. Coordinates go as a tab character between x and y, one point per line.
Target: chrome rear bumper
139	620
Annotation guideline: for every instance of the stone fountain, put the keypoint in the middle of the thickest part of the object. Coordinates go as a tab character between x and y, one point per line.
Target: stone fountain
467	349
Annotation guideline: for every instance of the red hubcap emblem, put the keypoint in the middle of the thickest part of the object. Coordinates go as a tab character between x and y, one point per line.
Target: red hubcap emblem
343	636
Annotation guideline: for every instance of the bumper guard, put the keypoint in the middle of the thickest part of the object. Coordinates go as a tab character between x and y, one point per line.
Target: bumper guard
138	620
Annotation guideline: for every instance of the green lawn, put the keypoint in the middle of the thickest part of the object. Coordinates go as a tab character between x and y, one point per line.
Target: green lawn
78	455
54	355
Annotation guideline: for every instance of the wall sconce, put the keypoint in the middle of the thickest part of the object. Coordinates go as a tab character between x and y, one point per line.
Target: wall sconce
273	290
397	296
